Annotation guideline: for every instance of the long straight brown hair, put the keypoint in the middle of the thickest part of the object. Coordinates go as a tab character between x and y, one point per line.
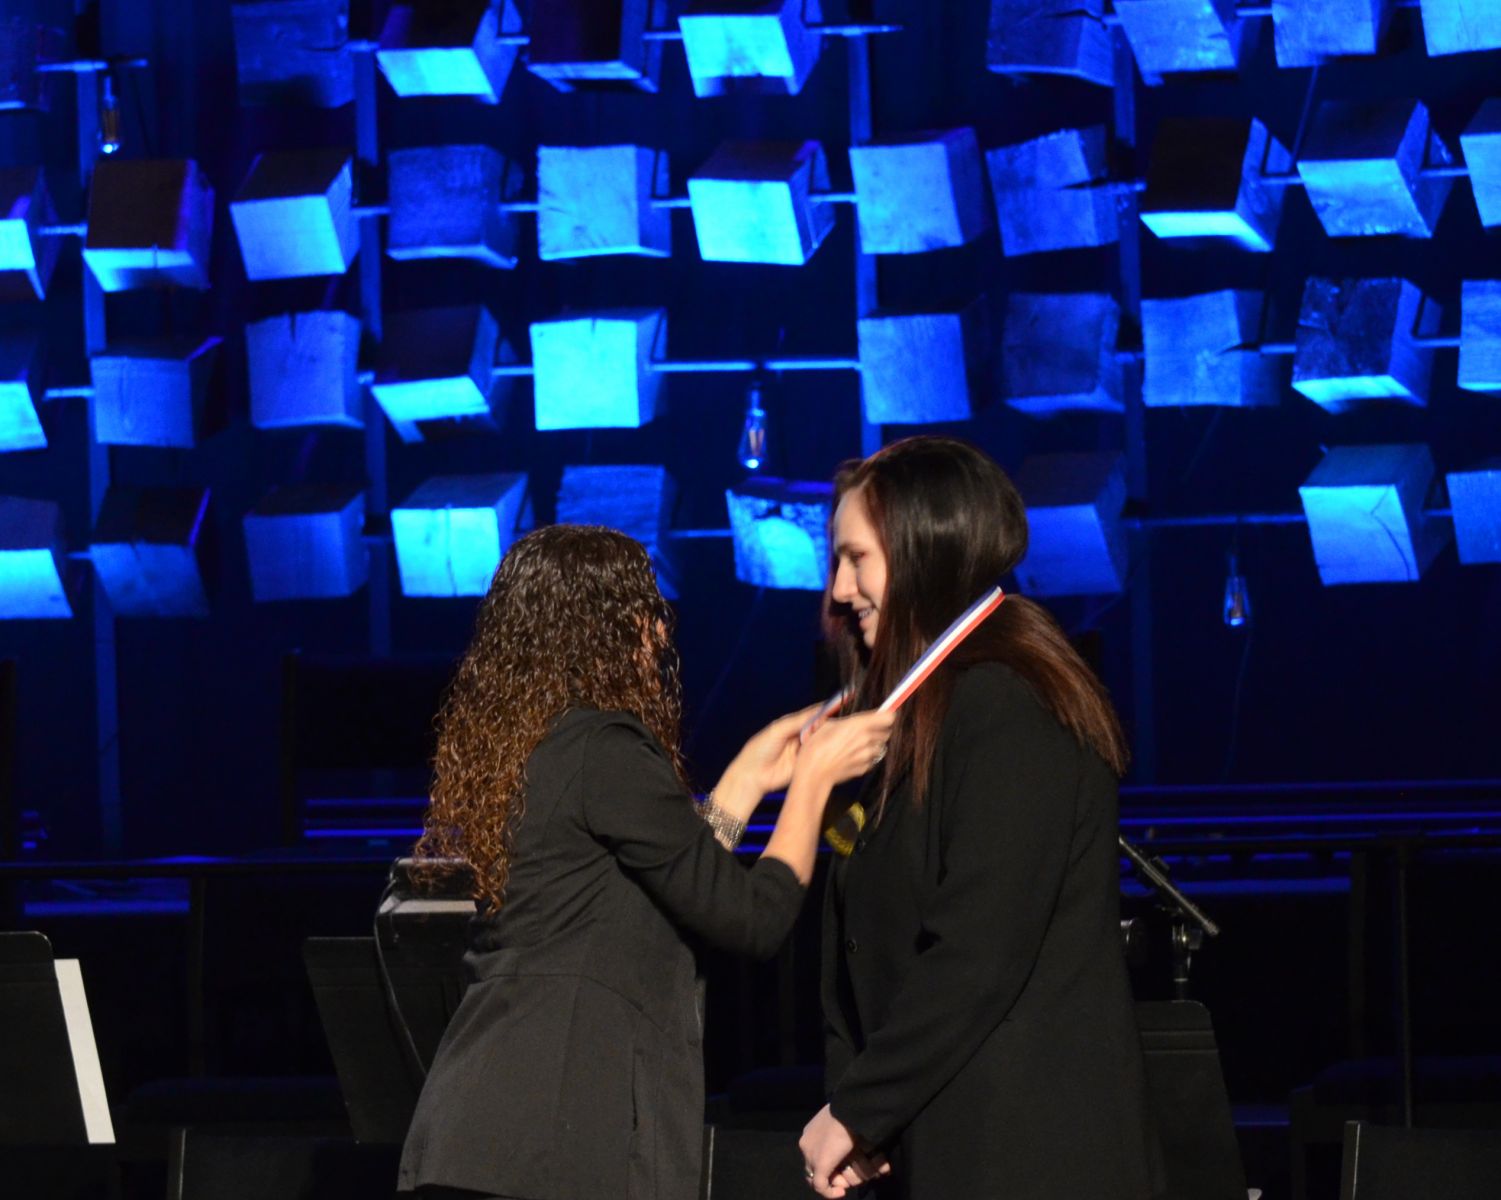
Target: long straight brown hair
952	524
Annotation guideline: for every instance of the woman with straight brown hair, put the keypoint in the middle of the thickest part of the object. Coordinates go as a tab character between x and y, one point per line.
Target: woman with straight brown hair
572	1069
980	1036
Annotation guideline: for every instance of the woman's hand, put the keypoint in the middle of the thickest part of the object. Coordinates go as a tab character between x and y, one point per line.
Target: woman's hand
832	1162
763	765
844	748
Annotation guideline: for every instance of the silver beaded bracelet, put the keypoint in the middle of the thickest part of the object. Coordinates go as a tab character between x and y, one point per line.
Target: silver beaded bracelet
728	830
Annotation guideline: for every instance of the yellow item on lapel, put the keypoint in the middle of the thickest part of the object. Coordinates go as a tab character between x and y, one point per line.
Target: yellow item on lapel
842	833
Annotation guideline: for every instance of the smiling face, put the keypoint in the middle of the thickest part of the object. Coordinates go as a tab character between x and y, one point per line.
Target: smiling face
859	564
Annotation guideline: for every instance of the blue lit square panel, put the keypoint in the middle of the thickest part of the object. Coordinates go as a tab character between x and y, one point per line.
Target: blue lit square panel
150	223
1480	336
435	364
1364	506
1203	350
452	532
458	49
594	371
293	52
150	393
1309	32
752	203
1077	543
1058	353
781	532
637	500
755	47
145	551
1050	37
26	258
919	368
1461	26
1042	200
1169	36
576	42
304	370
1481	143
1355	342
919	192
445	203
31	560
305	542
294	215
20	423
1360	166
597	200
1475	499
1207	179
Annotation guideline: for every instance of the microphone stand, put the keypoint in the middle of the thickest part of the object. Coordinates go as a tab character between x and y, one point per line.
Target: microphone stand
1190	923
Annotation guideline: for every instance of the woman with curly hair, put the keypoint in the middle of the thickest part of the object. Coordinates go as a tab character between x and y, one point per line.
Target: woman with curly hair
573	1066
981	1038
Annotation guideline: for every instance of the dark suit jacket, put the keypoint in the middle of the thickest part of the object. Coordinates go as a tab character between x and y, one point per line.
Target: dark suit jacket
975	995
573	1067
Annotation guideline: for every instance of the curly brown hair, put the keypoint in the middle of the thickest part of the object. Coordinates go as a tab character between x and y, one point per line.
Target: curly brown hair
573	619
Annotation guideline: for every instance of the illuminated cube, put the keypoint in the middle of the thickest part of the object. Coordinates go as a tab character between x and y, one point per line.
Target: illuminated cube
1360	165
150	222
1355	342
781	532
1206	179
921	368
145	551
761	47
26	258
31	560
435	364
752	203
462	48
1480	335
20	423
1050	37
150	393
452	532
637	500
1058	353
293	52
294	214
1040	205
1077	542
303	370
1475	499
1181	35
593	371
304	542
597	200
919	191
26	43
576	41
1202	350
1364	506
445	203
1308	32
1481	142
1461	26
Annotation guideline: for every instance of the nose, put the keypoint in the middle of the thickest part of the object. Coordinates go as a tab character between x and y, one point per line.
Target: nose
843	591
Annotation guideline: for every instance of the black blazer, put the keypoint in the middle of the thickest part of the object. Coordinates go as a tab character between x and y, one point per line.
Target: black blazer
977	1008
574	1067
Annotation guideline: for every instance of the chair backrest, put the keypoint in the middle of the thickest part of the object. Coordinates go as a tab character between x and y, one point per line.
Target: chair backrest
1385	1163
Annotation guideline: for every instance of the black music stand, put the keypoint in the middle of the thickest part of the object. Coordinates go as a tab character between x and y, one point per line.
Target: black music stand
51	1087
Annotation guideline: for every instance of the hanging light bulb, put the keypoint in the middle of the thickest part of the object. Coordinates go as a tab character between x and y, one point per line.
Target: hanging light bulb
752	449
1237	597
109	116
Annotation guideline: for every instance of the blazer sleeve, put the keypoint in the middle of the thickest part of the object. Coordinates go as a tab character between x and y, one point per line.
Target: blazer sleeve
635	805
838	1041
1010	774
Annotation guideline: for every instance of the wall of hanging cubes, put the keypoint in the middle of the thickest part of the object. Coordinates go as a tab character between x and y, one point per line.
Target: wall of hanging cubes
326	330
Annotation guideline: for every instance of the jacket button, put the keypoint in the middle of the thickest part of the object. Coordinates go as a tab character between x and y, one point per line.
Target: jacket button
851	946
859	845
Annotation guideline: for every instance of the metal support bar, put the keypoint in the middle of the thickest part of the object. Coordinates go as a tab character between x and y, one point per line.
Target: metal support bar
81	229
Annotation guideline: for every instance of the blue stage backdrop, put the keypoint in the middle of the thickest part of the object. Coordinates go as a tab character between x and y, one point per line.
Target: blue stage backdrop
309	307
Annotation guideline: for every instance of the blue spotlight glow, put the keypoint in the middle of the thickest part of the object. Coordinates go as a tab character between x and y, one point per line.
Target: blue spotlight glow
751	450
1236	608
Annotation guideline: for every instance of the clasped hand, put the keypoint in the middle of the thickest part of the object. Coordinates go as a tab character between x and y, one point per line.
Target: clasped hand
833	1163
837	750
